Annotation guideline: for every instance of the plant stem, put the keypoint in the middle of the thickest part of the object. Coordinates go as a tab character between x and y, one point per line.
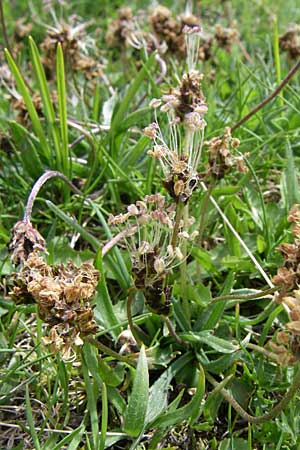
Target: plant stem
173	332
203	213
3	26
109	351
131	295
271	414
183	271
267	99
38	185
179	211
244	296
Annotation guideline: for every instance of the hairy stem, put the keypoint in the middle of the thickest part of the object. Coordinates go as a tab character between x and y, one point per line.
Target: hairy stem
244	296
38	185
265	417
179	211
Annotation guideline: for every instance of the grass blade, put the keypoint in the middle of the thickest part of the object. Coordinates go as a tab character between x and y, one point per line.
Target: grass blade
104	417
31	421
62	107
45	94
36	123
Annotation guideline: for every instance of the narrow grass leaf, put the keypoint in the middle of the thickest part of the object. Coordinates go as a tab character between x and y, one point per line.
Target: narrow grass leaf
62	108
45	94
292	195
30	421
135	415
92	398
74	437
104	417
28	152
36	123
129	96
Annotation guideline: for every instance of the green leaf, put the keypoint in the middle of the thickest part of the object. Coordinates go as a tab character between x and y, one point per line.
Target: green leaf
45	94
92	392
129	96
30	421
62	108
205	337
189	412
104	417
28	150
36	123
158	397
74	437
104	304
135	415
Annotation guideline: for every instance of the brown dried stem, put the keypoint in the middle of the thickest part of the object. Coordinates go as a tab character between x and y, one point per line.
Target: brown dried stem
267	99
271	414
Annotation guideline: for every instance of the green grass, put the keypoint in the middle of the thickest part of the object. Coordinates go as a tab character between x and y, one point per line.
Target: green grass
168	392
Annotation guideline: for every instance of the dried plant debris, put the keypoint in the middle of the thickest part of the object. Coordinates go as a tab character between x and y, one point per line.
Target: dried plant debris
221	156
225	37
76	44
170	29
120	30
25	240
19	105
290	41
62	294
288	276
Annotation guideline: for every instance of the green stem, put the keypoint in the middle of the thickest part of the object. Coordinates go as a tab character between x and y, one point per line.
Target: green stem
203	212
109	351
244	296
132	326
183	269
179	211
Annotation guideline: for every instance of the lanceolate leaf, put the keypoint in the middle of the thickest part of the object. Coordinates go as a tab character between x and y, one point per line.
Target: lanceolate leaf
135	414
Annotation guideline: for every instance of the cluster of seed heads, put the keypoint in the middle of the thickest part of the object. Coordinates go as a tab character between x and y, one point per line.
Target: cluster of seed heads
62	292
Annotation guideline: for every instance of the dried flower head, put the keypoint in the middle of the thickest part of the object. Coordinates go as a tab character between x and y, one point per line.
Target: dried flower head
74	41
221	157
171	30
150	225
288	276
225	37
20	106
290	41
120	30
22	29
24	241
63	295
184	105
